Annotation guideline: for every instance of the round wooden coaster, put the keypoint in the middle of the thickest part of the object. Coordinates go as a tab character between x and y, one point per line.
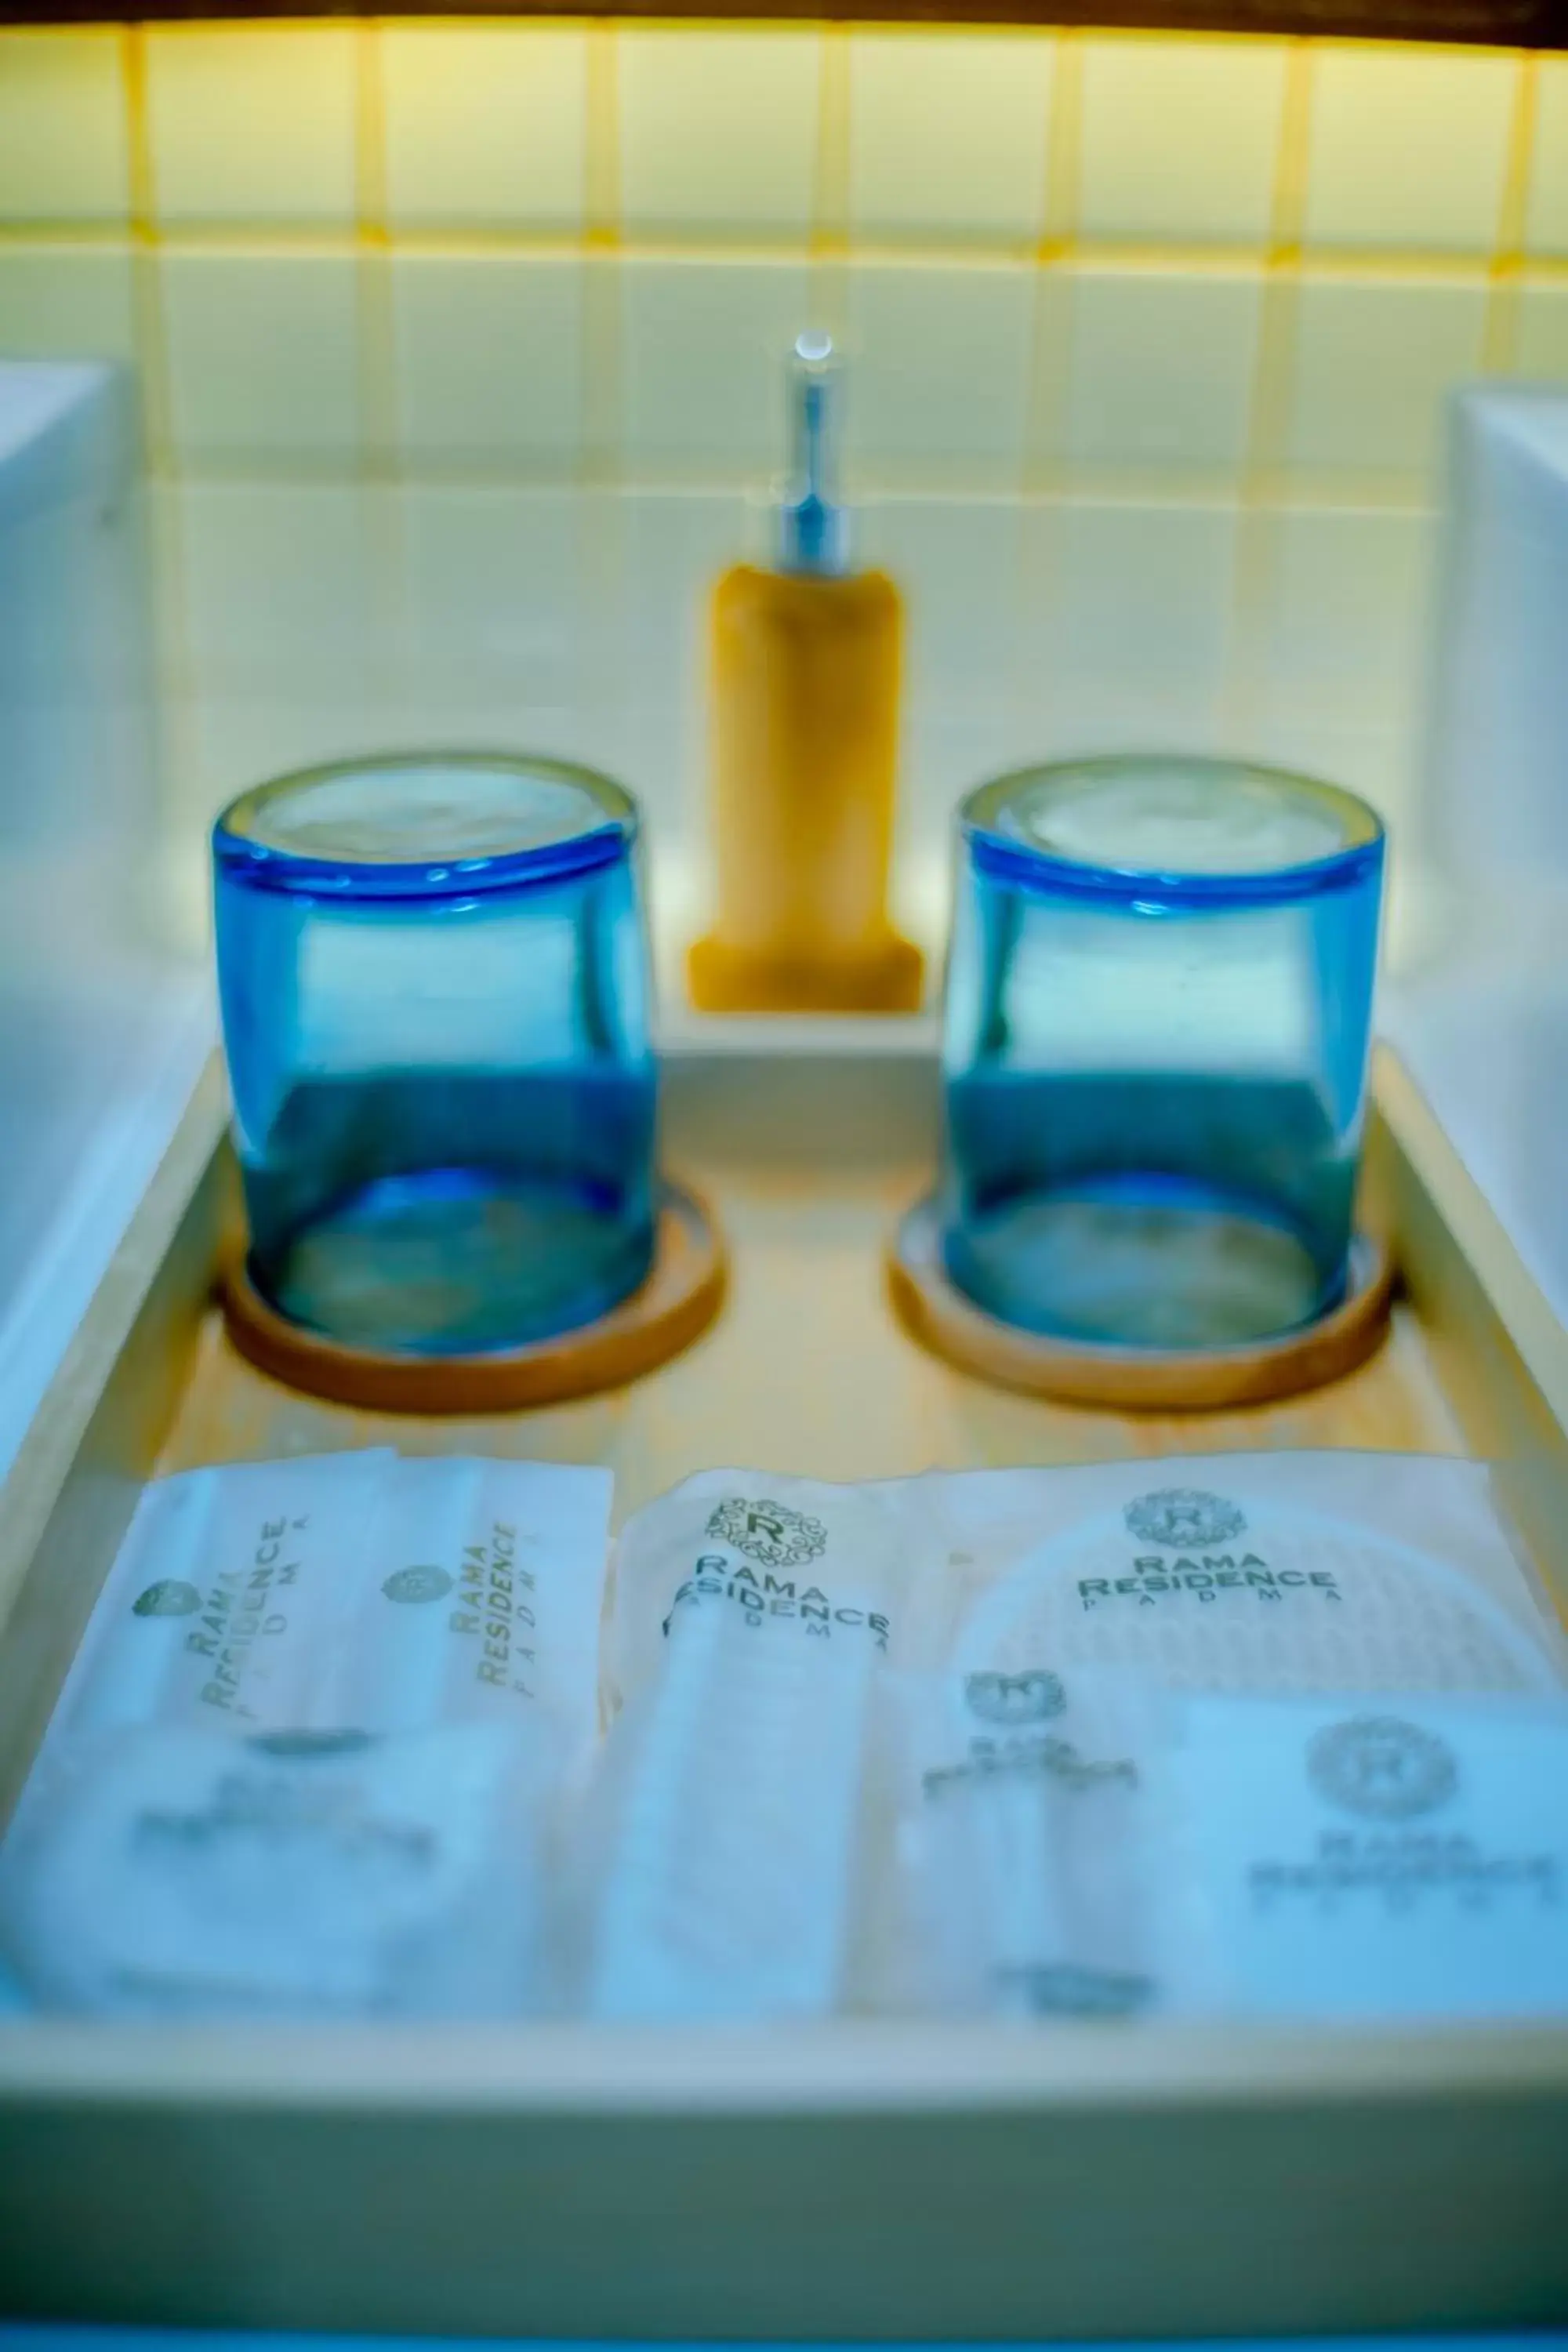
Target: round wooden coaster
676	1304
935	1312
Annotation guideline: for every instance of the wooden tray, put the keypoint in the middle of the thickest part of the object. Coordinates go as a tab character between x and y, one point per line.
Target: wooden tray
858	2180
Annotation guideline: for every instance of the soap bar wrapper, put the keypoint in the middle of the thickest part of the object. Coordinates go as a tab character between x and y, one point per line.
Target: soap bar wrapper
1401	1858
172	1872
1252	1573
722	1842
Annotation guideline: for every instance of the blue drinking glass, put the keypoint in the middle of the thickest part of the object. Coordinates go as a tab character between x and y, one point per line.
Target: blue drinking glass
1157	1026
434	979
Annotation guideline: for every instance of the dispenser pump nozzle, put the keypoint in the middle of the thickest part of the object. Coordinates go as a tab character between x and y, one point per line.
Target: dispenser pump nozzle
814	529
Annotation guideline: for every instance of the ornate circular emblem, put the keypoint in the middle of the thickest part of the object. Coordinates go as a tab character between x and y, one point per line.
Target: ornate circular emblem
770	1533
418	1584
1184	1518
1014	1698
168	1598
1385	1770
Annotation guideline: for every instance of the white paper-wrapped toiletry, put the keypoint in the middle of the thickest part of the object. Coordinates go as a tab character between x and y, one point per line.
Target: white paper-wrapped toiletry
1405	1857
722	1846
1011	1827
318	1704
172	1872
1023	1635
483	1603
723	1835
1253	1572
348	1591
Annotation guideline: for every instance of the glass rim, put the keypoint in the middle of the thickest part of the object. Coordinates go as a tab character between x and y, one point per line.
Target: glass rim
240	857
1004	858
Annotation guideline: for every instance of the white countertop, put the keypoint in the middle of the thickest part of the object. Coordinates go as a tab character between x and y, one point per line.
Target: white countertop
101	1039
1486	1042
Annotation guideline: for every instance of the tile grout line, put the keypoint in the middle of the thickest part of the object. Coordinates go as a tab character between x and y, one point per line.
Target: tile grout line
1500	342
146	275
375	344
1064	149
827	239
600	445
174	656
1088	486
261	240
1268	416
1036	568
601	544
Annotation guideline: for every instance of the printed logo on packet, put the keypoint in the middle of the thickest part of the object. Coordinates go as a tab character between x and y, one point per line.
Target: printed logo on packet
770	1533
1385	1770
170	1597
1032	1697
418	1584
1184	1518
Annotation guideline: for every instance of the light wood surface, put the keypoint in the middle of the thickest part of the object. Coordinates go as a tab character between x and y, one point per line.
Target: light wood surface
807	1372
860	2179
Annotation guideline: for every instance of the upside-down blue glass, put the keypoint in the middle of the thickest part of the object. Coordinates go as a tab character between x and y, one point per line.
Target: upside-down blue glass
435	994
1157	1026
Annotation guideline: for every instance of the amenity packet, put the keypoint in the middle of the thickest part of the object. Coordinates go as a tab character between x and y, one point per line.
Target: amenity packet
1250	1573
483	1603
1127	1852
304	1664
721	1845
348	1591
1324	1571
1013	1828
1403	1857
1028	1627
227	1601
170	1870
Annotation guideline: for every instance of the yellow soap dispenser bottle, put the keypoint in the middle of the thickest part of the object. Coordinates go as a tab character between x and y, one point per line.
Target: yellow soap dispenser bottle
805	674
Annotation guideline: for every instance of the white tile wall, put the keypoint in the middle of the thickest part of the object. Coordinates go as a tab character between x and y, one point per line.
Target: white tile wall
496	586
1161	368
283	586
69	303
485	126
1373	358
1180	139
1139	594
959	563
1409	149
717	132
462	345
64	154
1346	608
941	383
489	362
702	345
252	123
264	360
974	109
